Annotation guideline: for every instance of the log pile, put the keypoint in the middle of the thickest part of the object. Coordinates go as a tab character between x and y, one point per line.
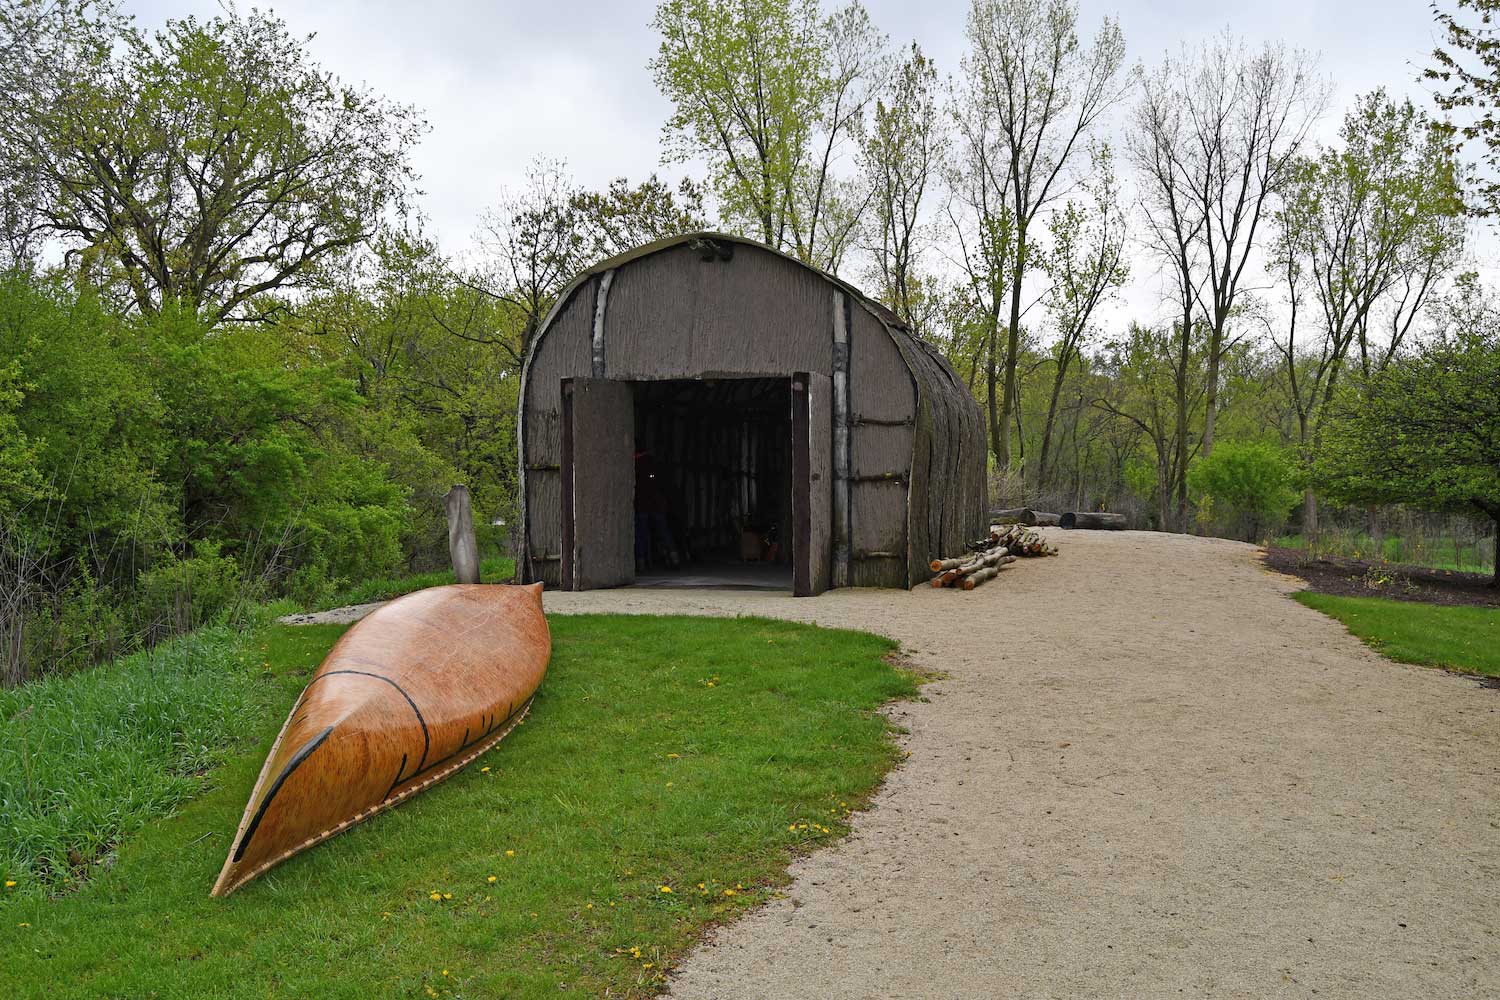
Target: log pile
988	555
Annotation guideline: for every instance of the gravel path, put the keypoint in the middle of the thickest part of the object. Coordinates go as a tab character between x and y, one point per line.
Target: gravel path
1148	774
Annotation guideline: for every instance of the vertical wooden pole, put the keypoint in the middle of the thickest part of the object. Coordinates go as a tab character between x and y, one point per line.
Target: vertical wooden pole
568	565
462	547
842	533
802	554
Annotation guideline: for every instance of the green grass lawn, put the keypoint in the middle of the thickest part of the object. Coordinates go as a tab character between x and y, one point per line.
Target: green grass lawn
695	755
1455	638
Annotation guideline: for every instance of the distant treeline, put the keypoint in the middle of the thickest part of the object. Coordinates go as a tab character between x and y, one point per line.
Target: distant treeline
233	365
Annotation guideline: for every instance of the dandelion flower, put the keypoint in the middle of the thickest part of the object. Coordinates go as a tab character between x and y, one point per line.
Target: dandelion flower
611	905
447	895
10	883
510	854
702	885
490	879
792	827
674	756
646	966
666	889
729	892
23	924
591	906
484	770
445	972
436	896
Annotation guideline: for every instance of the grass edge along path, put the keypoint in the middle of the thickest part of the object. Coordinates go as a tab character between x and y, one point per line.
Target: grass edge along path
670	771
1455	638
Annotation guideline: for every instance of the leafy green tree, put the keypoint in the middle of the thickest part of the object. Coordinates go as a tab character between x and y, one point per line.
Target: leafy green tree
1467	79
769	92
1367	233
1087	266
1425	429
1040	91
212	162
1140	388
901	154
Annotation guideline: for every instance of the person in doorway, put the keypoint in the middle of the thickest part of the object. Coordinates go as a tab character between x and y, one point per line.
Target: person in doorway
653	529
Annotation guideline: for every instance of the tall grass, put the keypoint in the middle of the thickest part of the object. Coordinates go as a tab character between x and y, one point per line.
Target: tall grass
1460	552
86	759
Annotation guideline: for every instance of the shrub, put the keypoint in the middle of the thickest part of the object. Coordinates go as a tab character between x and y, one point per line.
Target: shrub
1249	485
184	593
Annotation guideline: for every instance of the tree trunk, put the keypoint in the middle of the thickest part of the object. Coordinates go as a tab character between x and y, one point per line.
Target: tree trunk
997	440
1013	343
462	547
1057	383
1097	520
1163	493
1495	580
1211	399
1309	514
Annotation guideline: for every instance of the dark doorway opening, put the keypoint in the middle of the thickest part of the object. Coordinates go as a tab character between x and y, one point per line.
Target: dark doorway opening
713	495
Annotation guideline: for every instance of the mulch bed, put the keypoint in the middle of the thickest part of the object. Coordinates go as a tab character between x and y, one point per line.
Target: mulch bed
1361	578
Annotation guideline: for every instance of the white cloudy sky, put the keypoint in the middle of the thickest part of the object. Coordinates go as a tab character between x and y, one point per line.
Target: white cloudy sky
504	82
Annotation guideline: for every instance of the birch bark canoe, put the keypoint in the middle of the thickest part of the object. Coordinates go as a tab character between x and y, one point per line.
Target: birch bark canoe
405	698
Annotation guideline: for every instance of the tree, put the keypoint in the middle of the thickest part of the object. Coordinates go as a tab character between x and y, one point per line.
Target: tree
1367	231
212	163
1044	92
768	91
1468	78
622	217
1141	389
1246	117
984	234
1216	133
1087	266
1425	429
902	155
538	238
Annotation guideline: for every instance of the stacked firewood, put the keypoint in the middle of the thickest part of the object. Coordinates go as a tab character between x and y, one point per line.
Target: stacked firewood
988	555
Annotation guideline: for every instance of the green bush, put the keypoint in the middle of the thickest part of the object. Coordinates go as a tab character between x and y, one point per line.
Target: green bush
183	593
1250	486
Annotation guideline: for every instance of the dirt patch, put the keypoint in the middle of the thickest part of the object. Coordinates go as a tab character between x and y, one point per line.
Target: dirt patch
1360	578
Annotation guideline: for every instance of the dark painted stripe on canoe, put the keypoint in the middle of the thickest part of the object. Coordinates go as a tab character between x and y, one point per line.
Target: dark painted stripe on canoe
265	803
399	772
426	739
439	763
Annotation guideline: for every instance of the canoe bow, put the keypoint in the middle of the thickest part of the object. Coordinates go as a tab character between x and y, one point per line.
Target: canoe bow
409	695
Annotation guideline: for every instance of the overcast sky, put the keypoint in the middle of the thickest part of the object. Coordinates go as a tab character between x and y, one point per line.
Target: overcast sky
504	82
